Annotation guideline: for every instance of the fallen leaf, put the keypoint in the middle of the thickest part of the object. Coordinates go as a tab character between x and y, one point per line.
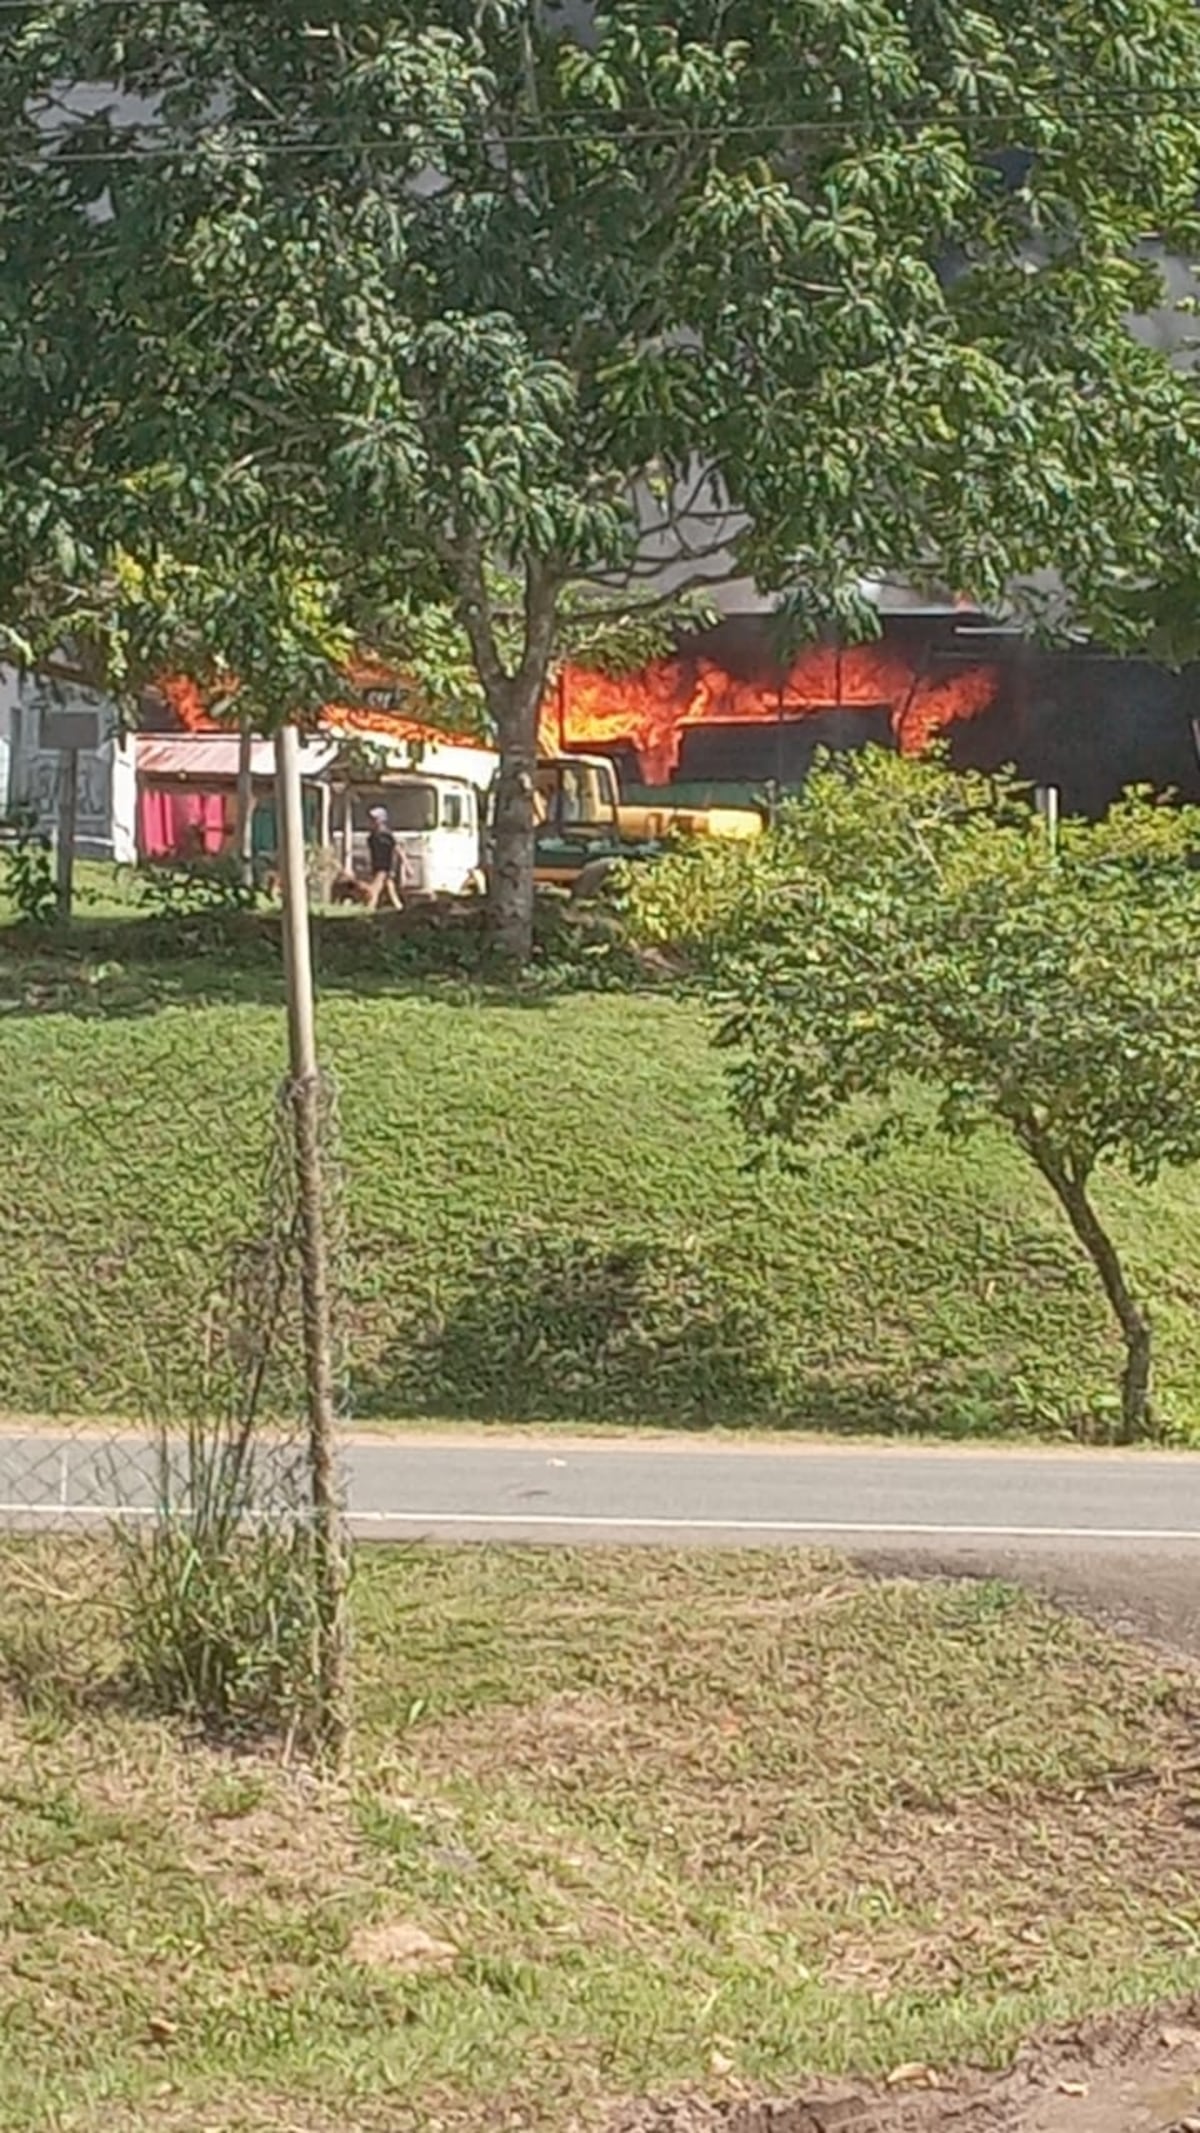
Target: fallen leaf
399	1945
1173	2038
161	2030
1072	2088
719	2064
912	2075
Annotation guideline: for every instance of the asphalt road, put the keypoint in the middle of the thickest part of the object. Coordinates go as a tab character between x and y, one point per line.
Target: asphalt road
1115	1533
691	1491
681	1490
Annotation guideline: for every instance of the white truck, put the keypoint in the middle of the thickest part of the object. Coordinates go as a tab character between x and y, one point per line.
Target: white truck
436	822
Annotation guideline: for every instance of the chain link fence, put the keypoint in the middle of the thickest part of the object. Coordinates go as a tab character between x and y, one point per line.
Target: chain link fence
154	1427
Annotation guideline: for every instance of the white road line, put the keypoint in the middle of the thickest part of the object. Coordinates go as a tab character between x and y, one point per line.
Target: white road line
77	1510
584	1521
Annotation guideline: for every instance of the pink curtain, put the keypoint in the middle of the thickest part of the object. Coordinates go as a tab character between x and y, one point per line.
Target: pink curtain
180	825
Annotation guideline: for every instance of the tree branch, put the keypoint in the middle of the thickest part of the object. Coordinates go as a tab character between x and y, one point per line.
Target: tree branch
698	581
649	568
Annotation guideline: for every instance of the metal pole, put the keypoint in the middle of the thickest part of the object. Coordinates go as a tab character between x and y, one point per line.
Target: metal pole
244	820
1046	799
68	812
304	1092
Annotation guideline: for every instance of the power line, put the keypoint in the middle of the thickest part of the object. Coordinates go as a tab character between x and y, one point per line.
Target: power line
244	143
131	7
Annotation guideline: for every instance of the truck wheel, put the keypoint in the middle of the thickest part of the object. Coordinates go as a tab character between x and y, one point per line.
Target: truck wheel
591	880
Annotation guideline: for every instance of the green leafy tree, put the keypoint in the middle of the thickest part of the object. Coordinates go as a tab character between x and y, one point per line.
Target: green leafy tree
502	315
907	925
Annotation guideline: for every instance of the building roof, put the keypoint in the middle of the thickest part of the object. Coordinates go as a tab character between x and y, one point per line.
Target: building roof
213	757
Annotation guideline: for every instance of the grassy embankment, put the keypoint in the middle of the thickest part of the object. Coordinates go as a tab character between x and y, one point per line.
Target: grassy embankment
548	1217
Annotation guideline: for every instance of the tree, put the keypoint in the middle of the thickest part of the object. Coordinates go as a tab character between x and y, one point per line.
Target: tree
503	316
907	925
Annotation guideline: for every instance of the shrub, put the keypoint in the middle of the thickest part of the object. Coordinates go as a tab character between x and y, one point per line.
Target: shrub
29	873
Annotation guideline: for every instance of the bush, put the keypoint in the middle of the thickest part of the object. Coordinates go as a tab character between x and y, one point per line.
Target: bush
687	902
577	948
197	889
221	1597
219	1625
29	874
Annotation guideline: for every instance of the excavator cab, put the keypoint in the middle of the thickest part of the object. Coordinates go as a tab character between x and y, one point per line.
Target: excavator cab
583	826
576	803
573	795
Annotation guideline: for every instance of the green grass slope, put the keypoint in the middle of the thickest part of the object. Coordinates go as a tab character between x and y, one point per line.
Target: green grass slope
547	1217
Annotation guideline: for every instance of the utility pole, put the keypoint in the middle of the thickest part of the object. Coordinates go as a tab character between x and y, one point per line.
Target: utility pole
67	732
68	817
304	1104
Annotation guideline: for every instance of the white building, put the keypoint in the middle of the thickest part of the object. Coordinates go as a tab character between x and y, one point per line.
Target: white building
30	774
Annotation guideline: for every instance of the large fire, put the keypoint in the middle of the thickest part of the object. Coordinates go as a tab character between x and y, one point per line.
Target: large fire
651	711
191	708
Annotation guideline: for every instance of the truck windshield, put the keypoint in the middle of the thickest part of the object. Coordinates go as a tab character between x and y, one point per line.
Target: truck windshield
412	807
571	795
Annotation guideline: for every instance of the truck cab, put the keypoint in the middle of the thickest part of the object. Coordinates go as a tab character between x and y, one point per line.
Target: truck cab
436	823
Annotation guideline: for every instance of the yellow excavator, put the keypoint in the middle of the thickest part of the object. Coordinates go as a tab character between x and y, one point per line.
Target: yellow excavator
584	826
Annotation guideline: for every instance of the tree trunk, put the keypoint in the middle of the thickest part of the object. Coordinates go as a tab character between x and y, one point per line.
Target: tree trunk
515	701
1071	1192
243	835
510	888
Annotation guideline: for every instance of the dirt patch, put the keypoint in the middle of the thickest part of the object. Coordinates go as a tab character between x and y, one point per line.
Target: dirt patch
401	1947
1137	2073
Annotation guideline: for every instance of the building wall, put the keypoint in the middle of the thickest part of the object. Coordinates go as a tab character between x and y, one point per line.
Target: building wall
107	807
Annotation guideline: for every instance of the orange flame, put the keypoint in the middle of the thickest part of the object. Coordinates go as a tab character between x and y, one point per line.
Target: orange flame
188	702
651	710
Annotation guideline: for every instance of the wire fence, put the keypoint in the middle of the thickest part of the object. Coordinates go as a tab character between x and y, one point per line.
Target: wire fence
152	1384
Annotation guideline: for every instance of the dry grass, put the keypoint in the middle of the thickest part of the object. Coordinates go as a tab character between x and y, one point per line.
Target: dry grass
758	1816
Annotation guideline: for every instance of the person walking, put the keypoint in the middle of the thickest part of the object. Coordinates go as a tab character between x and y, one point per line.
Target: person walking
381	849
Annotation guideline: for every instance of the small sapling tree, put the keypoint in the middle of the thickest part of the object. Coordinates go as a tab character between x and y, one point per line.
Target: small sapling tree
906	925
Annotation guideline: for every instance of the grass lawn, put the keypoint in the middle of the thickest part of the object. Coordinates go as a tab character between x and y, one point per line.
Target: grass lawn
547	1217
664	1820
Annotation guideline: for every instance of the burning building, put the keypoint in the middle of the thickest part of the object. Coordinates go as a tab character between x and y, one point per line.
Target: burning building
725	716
725	710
